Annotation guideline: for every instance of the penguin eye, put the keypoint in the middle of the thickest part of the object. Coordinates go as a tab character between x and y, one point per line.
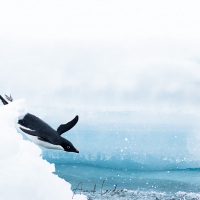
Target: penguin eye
68	147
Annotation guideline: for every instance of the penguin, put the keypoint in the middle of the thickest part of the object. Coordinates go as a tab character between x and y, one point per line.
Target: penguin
42	134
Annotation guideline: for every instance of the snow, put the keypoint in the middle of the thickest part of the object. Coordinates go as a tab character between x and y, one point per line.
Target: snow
23	172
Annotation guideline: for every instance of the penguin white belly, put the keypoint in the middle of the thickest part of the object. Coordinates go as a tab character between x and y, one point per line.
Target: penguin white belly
39	142
43	143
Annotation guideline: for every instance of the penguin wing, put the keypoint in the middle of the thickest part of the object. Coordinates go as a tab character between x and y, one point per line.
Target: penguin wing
3	100
33	133
66	127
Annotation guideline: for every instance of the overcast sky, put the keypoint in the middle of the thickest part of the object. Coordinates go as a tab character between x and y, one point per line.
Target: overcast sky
137	55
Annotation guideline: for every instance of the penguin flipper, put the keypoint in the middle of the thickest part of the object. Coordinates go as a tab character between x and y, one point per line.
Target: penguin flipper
66	127
3	100
30	132
42	139
34	133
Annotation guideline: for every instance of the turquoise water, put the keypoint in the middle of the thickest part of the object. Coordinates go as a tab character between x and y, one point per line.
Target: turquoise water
98	182
135	162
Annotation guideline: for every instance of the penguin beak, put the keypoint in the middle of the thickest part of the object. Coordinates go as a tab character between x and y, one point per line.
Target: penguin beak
76	151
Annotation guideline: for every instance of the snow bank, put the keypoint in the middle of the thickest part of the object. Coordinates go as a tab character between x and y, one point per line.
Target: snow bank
23	172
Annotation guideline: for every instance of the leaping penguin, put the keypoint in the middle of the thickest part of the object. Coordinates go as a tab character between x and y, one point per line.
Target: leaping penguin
42	134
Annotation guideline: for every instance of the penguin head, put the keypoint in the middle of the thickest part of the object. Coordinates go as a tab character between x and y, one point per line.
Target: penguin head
68	146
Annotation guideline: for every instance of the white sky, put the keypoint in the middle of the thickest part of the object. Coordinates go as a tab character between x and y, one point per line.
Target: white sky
109	55
98	20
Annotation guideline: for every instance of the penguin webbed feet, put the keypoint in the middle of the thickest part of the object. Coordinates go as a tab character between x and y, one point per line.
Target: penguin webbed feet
9	98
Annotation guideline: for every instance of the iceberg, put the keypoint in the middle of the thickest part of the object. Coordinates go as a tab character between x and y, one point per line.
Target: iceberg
24	174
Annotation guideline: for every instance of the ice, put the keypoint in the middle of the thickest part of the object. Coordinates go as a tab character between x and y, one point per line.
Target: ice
23	172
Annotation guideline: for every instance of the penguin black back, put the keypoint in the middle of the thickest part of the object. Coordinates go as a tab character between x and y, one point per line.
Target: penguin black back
43	134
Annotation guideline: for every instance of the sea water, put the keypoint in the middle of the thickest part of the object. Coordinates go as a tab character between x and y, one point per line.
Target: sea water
102	183
117	160
131	162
